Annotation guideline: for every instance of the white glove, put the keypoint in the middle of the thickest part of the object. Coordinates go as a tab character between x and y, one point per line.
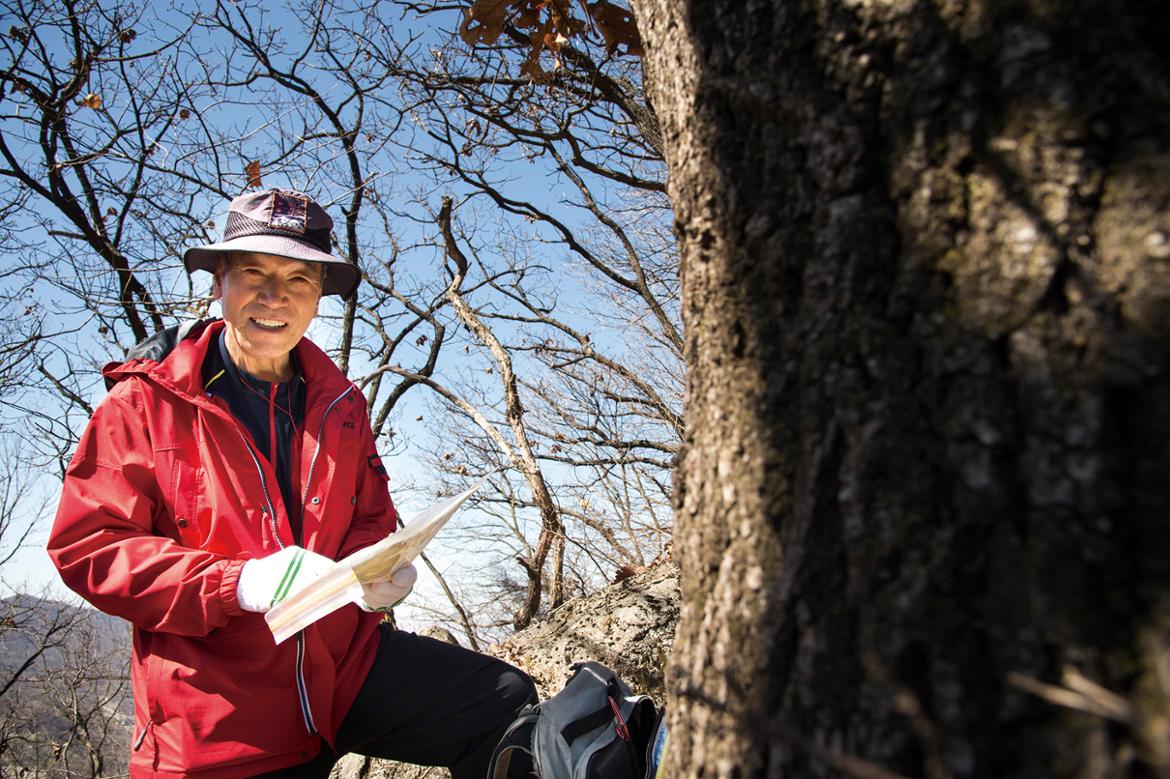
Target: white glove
269	580
383	596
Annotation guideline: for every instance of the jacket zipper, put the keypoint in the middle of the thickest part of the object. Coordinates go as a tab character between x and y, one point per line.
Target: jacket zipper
263	486
317	448
302	687
141	737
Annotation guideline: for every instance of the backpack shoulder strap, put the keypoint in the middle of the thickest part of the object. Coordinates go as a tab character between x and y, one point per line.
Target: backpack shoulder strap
513	756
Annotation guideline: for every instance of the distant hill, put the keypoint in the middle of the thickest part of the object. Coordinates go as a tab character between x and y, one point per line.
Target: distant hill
26	621
65	703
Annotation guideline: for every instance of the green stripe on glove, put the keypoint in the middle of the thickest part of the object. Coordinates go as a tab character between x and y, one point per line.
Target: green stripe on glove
266	581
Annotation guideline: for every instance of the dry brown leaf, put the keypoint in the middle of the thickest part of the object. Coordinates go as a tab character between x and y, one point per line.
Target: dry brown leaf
529	15
550	26
617	26
252	169
484	21
531	66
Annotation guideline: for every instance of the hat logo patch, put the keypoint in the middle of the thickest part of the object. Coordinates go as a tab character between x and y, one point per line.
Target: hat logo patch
289	212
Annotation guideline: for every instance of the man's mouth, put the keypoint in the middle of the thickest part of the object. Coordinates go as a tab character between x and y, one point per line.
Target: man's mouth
268	324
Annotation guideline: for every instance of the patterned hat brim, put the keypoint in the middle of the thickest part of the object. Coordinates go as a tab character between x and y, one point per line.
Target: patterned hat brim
341	279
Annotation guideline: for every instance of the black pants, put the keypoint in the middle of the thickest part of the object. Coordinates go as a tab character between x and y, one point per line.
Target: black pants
429	703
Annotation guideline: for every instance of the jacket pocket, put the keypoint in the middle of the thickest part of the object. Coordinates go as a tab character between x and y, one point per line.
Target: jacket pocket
151	665
189	524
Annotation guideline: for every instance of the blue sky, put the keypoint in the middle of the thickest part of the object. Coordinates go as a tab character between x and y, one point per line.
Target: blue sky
407	187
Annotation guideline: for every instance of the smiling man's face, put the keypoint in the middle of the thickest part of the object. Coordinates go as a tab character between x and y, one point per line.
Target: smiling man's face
268	303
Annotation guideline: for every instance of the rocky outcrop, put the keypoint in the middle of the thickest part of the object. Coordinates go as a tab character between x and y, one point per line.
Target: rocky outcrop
628	626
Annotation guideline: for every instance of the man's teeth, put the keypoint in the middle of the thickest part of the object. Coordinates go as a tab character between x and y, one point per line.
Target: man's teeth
270	323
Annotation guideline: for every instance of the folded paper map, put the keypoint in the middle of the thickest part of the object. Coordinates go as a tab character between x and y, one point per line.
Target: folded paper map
342	584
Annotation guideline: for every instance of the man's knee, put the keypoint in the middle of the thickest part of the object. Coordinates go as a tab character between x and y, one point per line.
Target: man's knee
517	688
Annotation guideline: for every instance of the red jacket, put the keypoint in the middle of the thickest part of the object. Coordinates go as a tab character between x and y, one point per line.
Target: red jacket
164	500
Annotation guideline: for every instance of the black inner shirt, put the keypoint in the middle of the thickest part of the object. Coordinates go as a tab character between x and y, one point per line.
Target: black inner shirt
273	412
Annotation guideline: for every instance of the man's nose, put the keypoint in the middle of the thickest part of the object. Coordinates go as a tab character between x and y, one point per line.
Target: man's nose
273	289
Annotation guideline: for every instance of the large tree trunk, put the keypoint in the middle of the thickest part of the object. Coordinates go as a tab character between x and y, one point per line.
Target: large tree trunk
922	513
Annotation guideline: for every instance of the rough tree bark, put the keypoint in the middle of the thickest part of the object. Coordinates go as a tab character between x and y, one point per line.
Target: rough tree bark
922	512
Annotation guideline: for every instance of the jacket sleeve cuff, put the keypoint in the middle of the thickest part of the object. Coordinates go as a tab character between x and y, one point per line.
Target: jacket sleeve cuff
228	585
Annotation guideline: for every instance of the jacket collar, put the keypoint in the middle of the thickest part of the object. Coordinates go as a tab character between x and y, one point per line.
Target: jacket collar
180	368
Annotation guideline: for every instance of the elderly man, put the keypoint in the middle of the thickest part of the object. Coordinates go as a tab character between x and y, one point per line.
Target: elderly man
230	462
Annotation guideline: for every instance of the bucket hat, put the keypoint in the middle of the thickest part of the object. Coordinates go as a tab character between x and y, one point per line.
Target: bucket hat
283	223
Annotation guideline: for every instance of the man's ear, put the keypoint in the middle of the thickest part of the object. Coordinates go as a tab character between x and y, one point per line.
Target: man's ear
217	275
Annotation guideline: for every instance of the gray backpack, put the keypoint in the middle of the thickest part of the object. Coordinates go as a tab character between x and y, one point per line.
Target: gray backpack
594	728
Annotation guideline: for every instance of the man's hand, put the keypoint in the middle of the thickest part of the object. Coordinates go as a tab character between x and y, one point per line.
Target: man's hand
383	596
269	580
